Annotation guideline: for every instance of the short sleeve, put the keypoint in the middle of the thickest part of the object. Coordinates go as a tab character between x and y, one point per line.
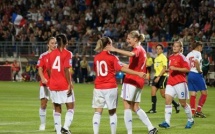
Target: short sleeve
117	64
164	61
68	60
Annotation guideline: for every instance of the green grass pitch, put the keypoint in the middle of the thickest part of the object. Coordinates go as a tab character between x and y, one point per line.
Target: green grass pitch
19	105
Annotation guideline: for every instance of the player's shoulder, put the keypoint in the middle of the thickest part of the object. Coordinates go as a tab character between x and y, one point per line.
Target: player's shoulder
43	55
182	57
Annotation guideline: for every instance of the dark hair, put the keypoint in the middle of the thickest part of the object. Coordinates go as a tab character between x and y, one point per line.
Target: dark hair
195	44
102	43
62	40
50	38
160	46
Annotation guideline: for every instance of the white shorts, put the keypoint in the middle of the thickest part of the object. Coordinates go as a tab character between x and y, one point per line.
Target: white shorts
180	90
44	92
60	97
131	93
105	98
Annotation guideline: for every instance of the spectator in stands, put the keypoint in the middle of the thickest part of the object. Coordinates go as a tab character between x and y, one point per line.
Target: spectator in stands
15	69
7	63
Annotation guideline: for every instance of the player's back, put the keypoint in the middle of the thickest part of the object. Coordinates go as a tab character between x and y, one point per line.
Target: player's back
191	57
58	61
105	67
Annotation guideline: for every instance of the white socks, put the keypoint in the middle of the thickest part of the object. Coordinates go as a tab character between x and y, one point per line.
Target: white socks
188	112
113	123
144	118
96	122
57	122
68	119
168	113
42	113
128	120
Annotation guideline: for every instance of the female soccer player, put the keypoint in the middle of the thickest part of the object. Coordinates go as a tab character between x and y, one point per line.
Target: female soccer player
160	79
196	81
132	85
44	91
61	87
105	92
176	85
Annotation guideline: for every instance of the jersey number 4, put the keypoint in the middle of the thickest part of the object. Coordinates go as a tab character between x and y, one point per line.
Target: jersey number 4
56	64
100	71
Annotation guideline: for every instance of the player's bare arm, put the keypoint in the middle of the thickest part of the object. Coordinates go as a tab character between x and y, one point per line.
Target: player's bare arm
68	79
43	79
129	71
184	70
197	65
123	52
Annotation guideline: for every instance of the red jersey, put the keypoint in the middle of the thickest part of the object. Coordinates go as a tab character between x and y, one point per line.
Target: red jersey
42	62
57	62
175	77
137	63
106	65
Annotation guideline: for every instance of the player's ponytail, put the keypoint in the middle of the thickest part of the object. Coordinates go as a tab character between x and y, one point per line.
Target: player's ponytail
102	43
99	45
61	40
141	37
136	34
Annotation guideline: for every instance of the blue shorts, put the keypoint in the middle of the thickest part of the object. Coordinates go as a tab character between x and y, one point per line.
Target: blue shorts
196	82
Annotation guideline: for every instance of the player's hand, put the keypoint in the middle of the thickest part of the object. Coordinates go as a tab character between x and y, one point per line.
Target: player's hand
142	75
44	80
70	88
172	68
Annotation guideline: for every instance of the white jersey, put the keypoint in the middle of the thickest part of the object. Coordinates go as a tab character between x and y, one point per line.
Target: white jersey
191	57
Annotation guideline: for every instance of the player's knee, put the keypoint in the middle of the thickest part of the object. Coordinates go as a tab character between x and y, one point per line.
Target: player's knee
43	105
112	112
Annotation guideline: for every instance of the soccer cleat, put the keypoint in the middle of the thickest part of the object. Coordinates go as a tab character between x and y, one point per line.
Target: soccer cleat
177	108
153	131
64	131
151	111
199	115
164	125
189	124
42	127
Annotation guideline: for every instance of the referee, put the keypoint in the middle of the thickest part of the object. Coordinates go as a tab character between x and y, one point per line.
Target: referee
160	79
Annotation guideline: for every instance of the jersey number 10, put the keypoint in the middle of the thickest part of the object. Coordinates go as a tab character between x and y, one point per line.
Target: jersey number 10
99	65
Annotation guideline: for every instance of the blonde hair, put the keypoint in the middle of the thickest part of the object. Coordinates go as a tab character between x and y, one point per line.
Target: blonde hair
136	34
102	43
181	45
